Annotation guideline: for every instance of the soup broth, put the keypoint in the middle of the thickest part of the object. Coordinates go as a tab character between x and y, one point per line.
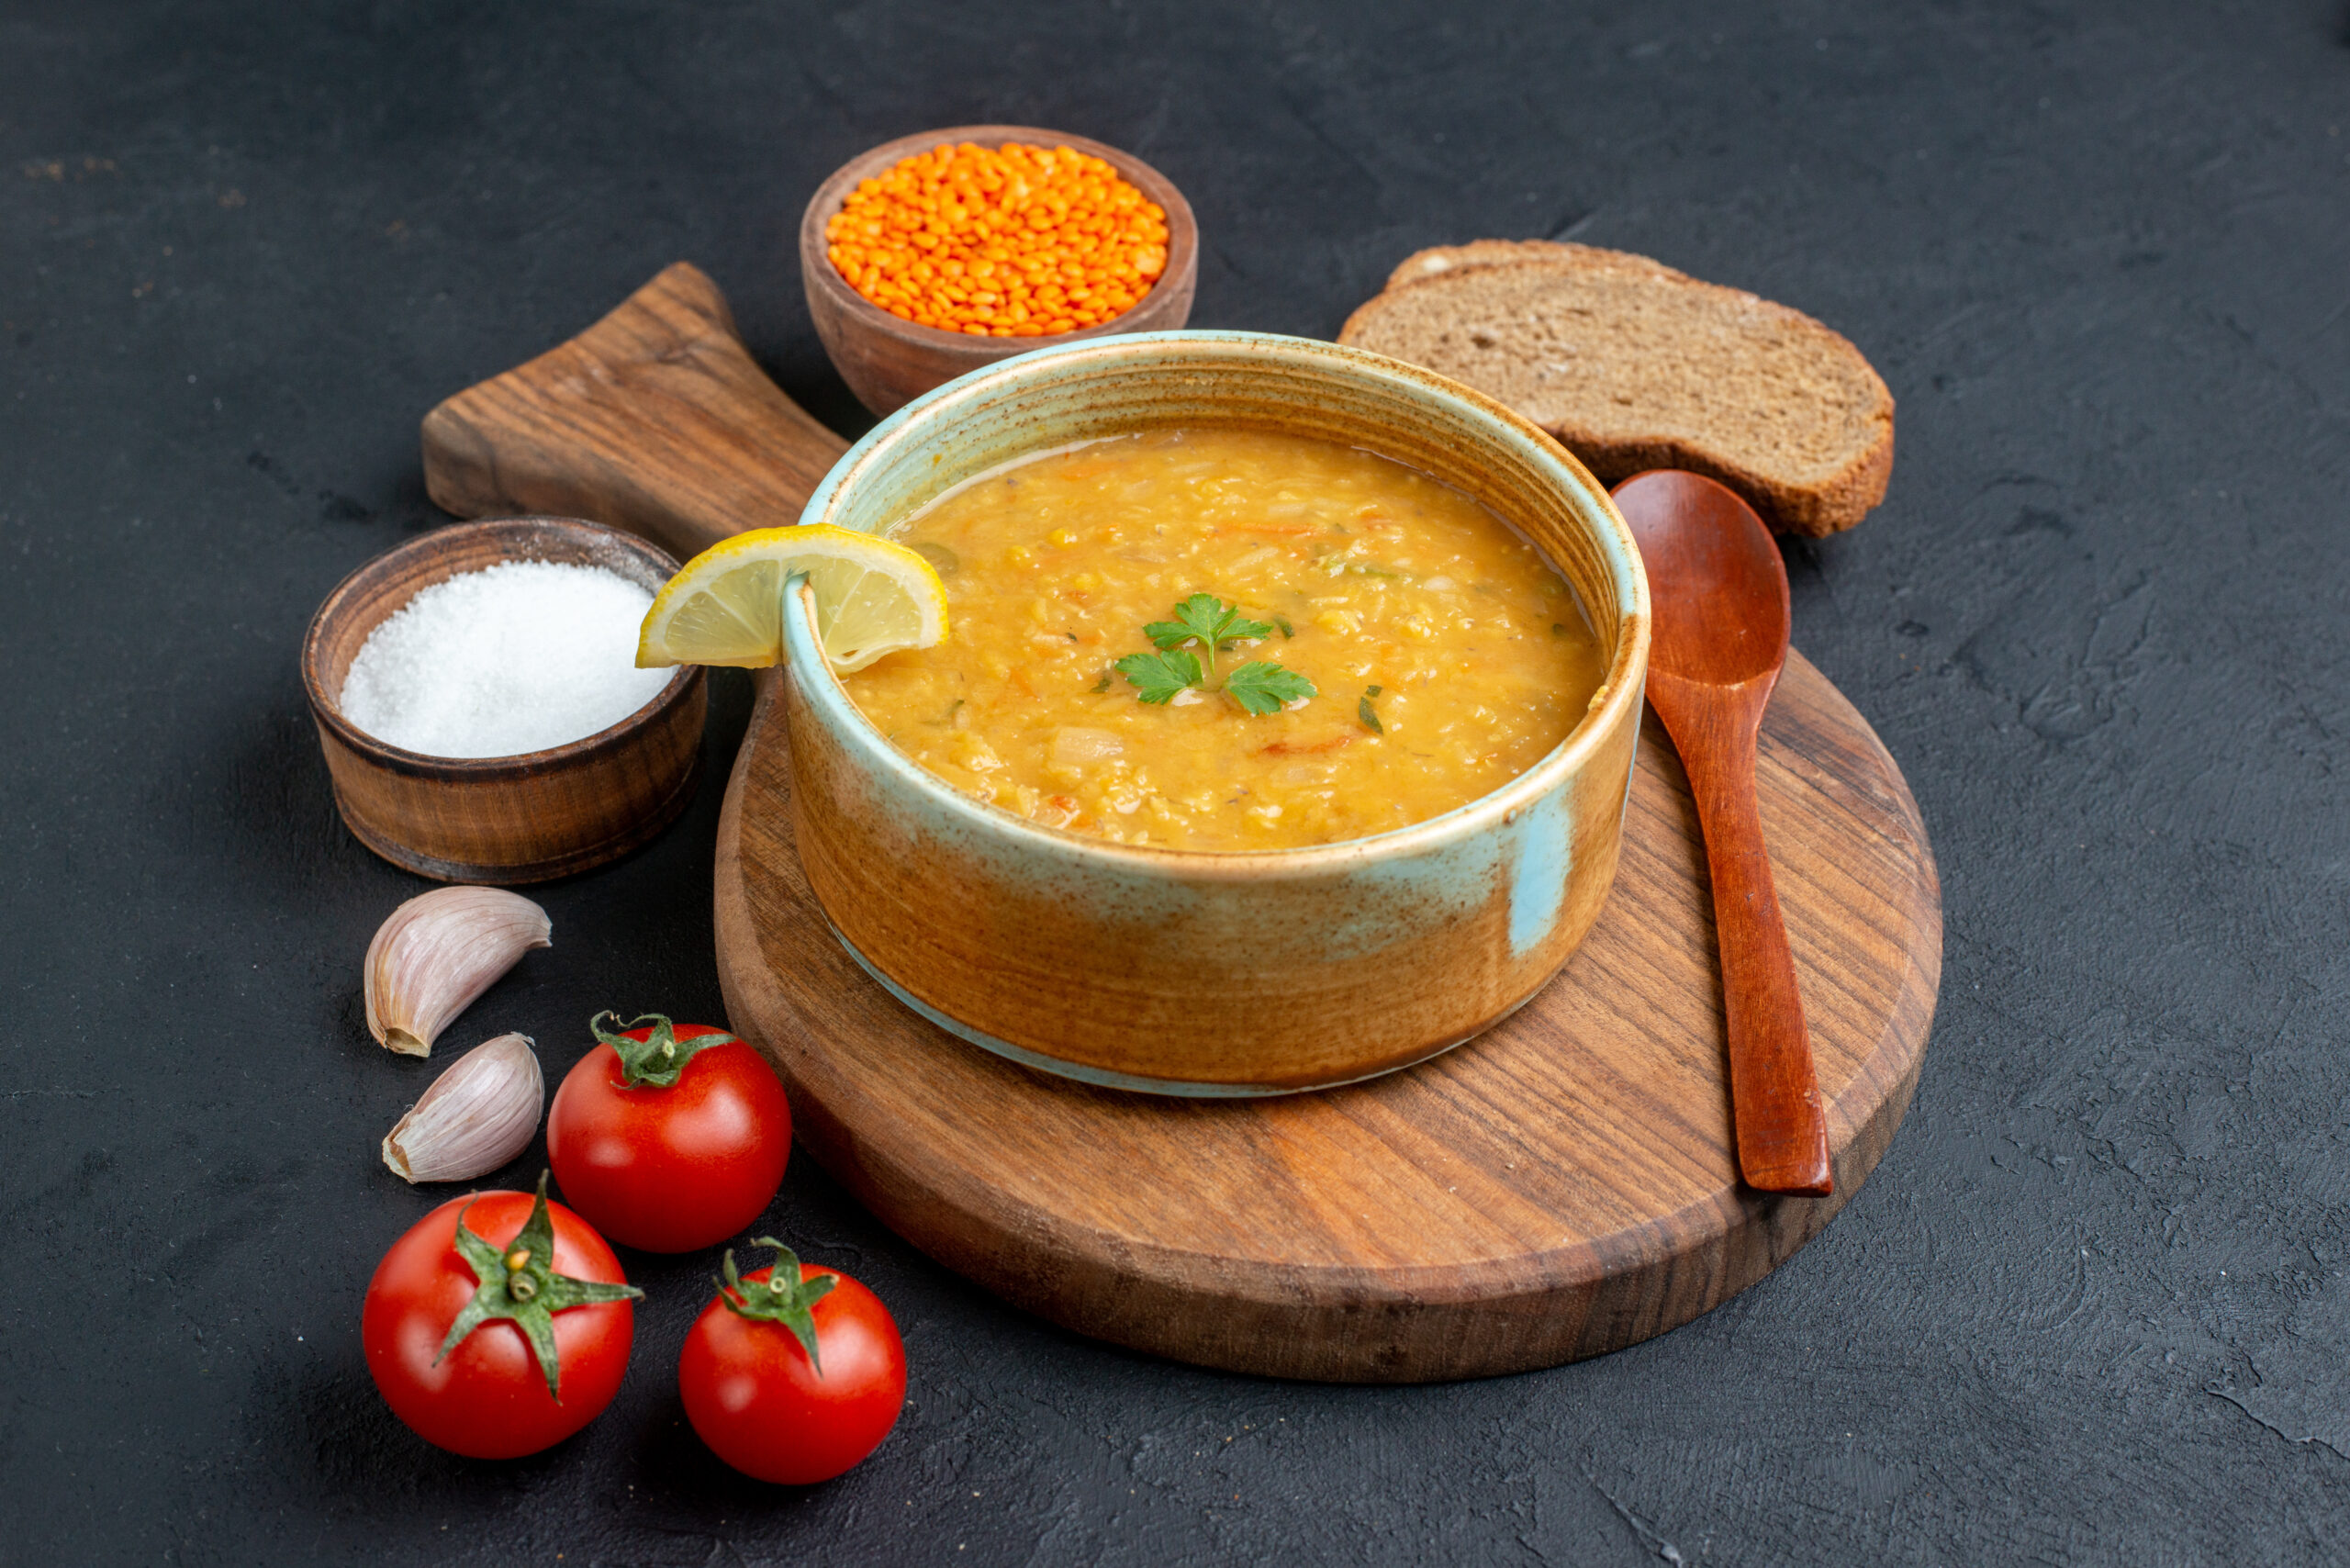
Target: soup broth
1444	654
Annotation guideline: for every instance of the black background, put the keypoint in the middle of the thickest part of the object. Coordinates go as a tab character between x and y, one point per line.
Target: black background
2093	1306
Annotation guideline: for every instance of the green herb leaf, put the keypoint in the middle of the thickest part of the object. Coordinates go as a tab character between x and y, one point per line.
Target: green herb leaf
1102	684
1262	687
1282	621
1157	676
1364	711
518	1282
656	1061
1207	621
785	1296
1343	561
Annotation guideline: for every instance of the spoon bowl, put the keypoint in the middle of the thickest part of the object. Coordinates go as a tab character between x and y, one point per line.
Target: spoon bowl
1726	621
1718	593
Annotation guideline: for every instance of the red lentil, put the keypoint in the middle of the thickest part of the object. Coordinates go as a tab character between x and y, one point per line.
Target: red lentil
1014	242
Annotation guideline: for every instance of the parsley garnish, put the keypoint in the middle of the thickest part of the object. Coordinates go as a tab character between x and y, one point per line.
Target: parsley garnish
1102	684
1208	623
1157	676
1282	621
1368	716
1263	686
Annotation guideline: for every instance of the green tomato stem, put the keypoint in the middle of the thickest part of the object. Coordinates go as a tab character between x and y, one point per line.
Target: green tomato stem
522	1286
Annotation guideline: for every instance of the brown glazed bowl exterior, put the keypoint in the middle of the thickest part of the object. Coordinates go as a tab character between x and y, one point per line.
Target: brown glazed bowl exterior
501	820
887	361
1186	972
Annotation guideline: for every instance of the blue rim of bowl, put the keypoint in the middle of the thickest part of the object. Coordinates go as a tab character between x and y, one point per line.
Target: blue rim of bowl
802	652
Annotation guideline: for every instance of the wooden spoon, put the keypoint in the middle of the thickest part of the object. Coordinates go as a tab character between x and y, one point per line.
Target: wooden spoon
1721	596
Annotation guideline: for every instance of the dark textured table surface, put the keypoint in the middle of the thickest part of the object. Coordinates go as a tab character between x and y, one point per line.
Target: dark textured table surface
2093	1306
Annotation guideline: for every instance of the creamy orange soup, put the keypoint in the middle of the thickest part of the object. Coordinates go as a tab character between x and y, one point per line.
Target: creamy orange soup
1413	652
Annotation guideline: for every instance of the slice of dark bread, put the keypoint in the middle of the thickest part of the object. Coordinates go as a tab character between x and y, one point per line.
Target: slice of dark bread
1633	365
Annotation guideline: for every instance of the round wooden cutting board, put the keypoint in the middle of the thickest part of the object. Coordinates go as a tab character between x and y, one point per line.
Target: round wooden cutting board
1561	1186
1564	1185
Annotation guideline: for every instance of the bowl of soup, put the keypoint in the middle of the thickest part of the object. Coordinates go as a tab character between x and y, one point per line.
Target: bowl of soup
1283	728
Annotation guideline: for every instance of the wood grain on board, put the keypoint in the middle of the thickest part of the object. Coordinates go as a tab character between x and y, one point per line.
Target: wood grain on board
653	420
1564	1186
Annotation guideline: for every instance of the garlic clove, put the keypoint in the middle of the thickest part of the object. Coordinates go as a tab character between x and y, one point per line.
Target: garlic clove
476	1116
440	951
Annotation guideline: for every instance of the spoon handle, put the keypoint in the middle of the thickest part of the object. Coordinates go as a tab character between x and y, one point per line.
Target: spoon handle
1775	1095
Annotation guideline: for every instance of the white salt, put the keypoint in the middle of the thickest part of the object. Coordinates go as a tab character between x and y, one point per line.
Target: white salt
515	657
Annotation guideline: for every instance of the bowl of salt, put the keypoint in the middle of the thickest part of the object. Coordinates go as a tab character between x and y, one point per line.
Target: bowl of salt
476	695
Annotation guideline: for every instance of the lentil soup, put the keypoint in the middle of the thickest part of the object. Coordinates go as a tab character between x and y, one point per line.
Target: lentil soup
1444	655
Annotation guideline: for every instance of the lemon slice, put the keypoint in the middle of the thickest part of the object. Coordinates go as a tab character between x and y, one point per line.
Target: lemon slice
726	605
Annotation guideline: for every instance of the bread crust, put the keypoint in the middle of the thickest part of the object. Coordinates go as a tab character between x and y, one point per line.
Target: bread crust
1813	510
1451	261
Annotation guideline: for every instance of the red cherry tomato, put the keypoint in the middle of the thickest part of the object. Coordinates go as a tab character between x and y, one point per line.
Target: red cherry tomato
670	1170
753	1395
488	1397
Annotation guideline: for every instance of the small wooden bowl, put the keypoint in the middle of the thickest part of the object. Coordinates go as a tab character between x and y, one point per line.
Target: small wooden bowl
888	363
502	819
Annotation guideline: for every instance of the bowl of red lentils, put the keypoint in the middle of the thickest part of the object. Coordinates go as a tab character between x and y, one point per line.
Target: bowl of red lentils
940	253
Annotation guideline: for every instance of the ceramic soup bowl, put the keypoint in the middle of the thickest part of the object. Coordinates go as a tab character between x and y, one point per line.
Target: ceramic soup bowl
1186	972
